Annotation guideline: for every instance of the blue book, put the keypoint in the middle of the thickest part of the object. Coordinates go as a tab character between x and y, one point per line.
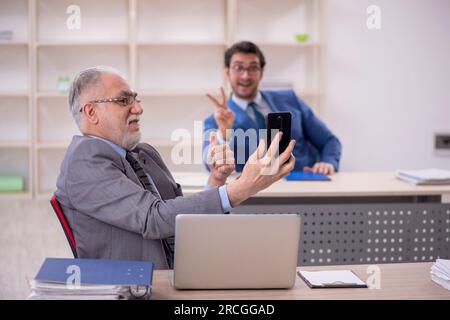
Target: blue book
93	279
307	176
97	271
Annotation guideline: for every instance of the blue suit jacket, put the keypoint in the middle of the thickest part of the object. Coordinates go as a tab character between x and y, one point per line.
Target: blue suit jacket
315	142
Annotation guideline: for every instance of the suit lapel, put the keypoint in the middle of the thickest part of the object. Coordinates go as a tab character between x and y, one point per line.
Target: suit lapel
242	120
161	180
129	172
280	106
269	99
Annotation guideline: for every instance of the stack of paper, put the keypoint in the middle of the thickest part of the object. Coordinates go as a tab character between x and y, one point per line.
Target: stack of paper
440	273
425	177
90	279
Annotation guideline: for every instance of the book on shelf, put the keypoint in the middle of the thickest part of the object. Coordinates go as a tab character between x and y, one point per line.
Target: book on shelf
11	184
6	35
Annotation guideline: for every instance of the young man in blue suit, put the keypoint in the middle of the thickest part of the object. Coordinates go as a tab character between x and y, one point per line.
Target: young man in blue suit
317	149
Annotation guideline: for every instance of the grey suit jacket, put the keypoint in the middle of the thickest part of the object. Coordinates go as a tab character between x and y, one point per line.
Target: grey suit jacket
111	214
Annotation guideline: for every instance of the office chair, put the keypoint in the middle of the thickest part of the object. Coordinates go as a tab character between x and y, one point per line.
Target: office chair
65	225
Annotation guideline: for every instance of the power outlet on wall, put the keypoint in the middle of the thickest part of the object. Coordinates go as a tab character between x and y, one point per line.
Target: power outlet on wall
442	144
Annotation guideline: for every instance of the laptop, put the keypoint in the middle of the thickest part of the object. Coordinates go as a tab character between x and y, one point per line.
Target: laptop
236	251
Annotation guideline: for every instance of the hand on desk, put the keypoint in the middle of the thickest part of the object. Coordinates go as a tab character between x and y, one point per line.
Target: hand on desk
320	167
262	170
220	162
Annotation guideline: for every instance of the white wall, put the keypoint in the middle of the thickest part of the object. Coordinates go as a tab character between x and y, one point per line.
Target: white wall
388	91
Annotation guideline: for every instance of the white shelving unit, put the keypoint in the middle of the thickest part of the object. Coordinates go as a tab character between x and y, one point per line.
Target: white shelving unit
15	96
170	51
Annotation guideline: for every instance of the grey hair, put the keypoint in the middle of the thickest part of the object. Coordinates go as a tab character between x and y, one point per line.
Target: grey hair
83	82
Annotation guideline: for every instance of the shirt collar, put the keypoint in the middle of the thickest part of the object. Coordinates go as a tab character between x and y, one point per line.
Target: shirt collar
117	148
242	103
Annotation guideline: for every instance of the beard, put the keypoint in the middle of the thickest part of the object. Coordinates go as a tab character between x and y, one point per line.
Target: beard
131	140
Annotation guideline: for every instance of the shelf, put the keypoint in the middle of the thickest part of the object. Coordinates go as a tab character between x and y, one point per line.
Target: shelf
14	17
293	66
80	43
56	61
292	44
282	20
178	93
179	68
14	74
171	53
14	122
182	43
55	122
15	144
143	93
44	195
52	145
101	21
15	195
52	94
16	162
14	94
13	43
181	21
48	164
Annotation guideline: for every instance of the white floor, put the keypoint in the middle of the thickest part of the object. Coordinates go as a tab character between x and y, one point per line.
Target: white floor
29	232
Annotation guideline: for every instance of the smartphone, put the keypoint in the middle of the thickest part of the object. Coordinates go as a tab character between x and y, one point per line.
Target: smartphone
280	121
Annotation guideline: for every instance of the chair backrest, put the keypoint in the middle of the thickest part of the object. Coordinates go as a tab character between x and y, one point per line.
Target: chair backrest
65	225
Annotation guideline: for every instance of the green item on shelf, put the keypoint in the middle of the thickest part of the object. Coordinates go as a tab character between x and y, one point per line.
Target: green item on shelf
64	84
301	37
11	184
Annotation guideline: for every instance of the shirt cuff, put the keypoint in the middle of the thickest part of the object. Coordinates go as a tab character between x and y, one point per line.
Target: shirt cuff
226	205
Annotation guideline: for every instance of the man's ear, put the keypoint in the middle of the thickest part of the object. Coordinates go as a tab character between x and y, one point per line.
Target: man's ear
90	113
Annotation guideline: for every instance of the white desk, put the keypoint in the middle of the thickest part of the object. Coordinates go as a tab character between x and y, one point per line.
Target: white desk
343	184
359	217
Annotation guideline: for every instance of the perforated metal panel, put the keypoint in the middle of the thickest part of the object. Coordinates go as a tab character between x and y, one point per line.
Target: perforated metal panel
367	233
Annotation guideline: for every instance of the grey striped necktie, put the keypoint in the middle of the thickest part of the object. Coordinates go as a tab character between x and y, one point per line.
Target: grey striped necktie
168	243
143	178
